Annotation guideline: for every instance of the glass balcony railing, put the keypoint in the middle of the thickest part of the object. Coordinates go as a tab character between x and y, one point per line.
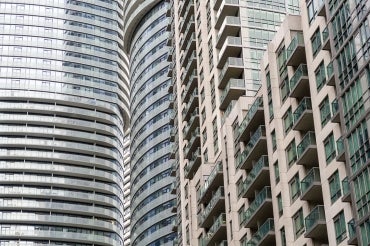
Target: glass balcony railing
345	186
325	34
221	220
351	229
261	163
233	83
231	61
304	105
312	176
218	168
261	197
340	145
260	132
308	139
264	229
317	214
251	112
299	73
215	198
335	106
330	69
296	41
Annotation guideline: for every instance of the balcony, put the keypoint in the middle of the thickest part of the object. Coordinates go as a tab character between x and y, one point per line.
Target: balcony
214	180
190	87
193	143
173	134
299	84
233	68
228	8
169	55
235	88
346	190
173	188
252	119
321	9
335	111
258	178
173	151
325	39
174	167
259	209
190	107
352	235
231	48
296	53
213	208
189	11
192	124
170	70
307	150
311	186
315	224
341	156
174	225
194	162
217	232
302	116
265	236
229	27
254	149
330	73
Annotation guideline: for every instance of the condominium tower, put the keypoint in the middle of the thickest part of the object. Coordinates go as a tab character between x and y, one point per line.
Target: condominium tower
271	152
64	111
145	39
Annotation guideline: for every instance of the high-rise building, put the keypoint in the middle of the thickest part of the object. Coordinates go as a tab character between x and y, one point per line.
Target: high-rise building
217	47
285	163
145	39
64	110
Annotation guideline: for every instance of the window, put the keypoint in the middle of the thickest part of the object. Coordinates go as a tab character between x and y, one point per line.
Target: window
288	120
340	227
329	147
241	215
325	113
298	223
294	185
320	76
276	171
316	42
334	186
273	139
283	237
284	90
291	152
280	204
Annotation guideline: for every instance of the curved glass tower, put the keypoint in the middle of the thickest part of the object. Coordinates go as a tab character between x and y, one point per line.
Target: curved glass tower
63	111
151	201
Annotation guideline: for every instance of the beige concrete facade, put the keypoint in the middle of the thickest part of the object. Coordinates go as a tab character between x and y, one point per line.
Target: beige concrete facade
257	165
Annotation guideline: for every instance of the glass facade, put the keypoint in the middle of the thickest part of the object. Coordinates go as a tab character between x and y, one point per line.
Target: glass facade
151	200
64	103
